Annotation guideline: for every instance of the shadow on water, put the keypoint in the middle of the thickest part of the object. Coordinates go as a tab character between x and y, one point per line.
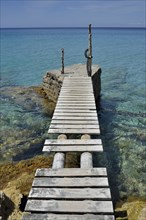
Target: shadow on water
7	208
34	149
110	157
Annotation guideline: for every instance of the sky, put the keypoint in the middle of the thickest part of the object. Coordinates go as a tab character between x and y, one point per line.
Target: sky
72	13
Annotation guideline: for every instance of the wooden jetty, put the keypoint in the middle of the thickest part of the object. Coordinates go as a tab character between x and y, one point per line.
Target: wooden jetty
72	193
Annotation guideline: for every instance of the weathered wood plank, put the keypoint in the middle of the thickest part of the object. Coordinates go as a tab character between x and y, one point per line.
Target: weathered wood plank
92	114
70	193
77	90
76	148
77	79
83	92
74	122
75	105
73	142
76	102
74	131
74	99
75	110
55	206
66	117
77	85
84	86
71	172
79	126
78	106
72	78
71	182
88	97
38	216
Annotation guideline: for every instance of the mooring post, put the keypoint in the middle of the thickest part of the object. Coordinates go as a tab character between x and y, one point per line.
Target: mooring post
90	52
62	59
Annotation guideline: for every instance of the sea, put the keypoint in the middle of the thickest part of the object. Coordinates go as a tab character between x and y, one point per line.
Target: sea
28	53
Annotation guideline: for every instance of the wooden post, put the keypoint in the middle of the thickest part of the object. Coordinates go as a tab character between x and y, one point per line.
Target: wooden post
86	157
62	59
59	158
90	52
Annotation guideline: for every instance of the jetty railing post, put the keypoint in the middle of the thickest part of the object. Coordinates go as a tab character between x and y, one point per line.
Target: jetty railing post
90	52
62	59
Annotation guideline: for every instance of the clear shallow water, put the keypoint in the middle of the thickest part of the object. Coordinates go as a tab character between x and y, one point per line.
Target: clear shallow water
26	54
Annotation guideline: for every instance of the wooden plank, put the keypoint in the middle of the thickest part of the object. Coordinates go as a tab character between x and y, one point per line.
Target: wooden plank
91	114
61	206
74	122
70	193
76	106
72	78
90	105
75	148
80	87
84	99
80	92
74	131
92	109
28	216
77	85
71	182
76	101
84	86
88	97
78	126
77	79
71	172
66	117
75	110
83	93
83	90
73	142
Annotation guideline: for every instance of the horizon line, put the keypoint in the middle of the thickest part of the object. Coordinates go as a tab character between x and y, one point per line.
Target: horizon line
69	27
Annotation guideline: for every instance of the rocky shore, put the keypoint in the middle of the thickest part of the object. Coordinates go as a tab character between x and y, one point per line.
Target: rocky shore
23	131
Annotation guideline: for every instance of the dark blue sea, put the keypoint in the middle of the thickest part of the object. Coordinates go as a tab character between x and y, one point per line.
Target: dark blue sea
27	54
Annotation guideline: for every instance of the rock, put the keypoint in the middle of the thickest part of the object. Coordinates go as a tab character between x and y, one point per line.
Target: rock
52	83
142	215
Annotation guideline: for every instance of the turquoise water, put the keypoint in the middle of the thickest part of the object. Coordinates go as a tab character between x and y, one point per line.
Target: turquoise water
26	54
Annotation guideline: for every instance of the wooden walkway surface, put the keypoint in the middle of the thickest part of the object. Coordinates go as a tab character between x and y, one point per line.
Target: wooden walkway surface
60	193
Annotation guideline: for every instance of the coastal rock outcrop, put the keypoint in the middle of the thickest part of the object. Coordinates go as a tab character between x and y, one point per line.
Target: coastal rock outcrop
52	83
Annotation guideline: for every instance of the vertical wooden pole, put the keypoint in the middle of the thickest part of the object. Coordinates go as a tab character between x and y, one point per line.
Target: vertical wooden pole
90	52
86	157
62	59
59	158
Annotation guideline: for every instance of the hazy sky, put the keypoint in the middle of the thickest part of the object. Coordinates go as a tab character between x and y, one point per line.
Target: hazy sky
73	13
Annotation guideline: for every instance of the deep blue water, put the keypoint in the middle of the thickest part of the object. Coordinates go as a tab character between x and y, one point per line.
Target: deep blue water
26	54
